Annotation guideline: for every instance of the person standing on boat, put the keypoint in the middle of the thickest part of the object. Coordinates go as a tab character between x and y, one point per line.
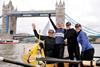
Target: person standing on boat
49	41
87	52
59	39
72	43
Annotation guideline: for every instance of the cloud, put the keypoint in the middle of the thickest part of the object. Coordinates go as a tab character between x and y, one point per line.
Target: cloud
85	12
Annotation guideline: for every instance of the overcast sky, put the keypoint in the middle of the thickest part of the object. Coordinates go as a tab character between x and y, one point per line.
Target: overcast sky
85	12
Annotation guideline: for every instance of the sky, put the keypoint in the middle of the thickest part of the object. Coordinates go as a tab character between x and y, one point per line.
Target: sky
85	12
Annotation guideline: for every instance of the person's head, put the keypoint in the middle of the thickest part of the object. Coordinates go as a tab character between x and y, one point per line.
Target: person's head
68	25
78	27
60	25
51	33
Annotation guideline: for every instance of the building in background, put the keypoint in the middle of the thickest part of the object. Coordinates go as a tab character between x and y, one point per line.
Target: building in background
8	22
60	12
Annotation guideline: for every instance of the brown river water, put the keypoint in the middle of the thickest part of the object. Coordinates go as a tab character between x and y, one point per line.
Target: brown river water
15	52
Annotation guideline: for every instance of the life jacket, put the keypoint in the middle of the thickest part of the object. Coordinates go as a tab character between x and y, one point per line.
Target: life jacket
34	52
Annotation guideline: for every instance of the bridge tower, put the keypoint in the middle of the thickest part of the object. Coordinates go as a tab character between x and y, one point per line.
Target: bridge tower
8	22
60	12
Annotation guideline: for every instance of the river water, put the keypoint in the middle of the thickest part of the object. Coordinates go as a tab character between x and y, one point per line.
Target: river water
15	52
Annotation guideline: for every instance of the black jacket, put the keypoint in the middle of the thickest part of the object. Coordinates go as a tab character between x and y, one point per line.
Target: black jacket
49	43
71	36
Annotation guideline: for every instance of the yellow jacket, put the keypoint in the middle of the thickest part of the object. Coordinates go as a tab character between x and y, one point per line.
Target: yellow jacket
33	53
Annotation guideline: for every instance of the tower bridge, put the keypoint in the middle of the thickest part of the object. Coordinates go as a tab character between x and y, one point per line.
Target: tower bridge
40	13
9	17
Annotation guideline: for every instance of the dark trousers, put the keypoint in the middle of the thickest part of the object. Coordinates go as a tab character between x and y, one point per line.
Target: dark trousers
59	51
74	52
49	53
87	55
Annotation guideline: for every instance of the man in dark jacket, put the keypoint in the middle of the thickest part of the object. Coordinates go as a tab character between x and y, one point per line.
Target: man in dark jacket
49	42
73	47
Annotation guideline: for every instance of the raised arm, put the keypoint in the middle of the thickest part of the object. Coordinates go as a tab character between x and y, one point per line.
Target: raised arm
52	22
37	35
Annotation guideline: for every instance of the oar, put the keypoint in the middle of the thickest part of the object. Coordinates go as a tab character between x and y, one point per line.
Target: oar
96	57
58	60
64	60
15	62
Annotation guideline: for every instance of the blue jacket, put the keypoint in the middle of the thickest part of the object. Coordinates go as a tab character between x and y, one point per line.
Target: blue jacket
83	40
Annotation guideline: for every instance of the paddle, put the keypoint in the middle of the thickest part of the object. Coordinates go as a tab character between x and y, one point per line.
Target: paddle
58	60
15	62
66	61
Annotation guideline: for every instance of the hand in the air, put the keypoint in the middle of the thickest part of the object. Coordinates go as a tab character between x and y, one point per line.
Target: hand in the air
33	25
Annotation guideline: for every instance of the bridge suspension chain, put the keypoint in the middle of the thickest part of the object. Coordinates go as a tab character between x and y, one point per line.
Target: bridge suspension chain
88	30
83	29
